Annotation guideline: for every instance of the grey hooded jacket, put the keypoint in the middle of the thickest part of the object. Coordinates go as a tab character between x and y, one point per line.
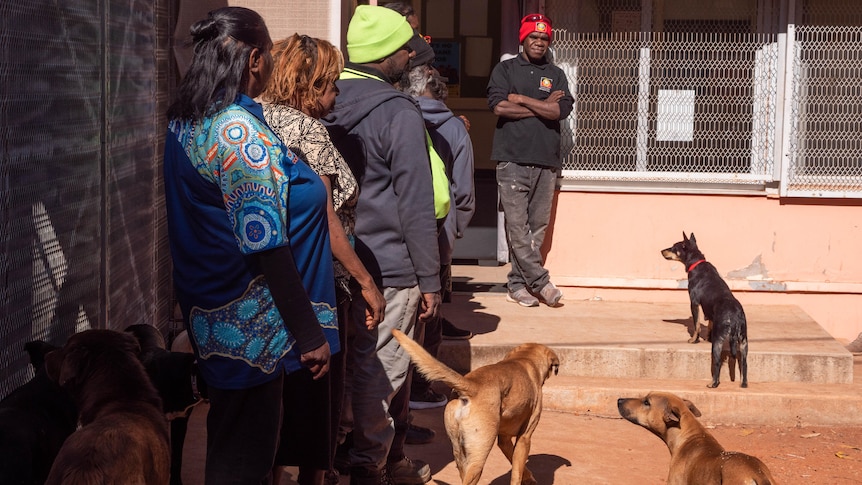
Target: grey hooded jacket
380	133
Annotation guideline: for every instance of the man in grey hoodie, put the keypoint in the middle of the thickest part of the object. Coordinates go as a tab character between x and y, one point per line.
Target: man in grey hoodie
380	132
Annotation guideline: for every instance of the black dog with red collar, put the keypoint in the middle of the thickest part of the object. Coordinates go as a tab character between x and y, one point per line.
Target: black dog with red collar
709	292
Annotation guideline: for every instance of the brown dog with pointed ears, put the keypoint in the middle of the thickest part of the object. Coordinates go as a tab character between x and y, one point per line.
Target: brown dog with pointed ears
695	456
500	403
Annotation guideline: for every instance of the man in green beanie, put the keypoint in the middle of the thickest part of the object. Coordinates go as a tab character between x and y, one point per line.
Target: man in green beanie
380	132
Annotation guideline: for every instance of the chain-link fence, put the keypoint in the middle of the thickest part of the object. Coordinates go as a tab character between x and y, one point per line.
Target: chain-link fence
825	147
705	101
670	106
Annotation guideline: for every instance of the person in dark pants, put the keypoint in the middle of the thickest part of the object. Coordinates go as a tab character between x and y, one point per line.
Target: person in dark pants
249	240
530	96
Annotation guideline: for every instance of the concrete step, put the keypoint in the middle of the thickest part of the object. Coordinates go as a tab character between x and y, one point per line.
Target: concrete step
769	403
645	340
798	374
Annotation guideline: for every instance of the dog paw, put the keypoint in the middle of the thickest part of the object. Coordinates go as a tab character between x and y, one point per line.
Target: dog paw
712	385
694	340
527	478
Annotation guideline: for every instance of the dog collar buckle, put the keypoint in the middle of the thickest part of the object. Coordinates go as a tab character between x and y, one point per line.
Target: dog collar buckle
694	264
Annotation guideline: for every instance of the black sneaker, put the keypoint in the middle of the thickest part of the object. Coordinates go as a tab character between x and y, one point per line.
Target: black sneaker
419	435
428	400
451	332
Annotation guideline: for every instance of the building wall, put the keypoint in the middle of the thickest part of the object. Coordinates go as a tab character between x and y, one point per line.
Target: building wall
283	18
770	251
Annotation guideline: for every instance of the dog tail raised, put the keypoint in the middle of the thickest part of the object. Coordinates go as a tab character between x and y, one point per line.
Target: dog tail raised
427	365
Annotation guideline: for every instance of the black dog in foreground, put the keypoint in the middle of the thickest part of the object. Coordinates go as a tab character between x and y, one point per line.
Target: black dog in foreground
172	373
35	420
708	292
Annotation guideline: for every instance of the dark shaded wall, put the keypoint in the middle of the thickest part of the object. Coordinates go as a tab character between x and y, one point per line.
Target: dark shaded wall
83	88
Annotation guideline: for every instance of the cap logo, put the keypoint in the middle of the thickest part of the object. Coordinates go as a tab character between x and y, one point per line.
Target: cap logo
541	27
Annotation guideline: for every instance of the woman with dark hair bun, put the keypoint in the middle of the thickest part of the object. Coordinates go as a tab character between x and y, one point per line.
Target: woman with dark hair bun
250	244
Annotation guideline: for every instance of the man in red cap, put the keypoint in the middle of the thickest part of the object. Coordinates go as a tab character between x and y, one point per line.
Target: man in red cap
530	96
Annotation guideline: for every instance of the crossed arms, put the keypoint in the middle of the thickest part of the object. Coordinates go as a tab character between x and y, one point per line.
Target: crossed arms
519	106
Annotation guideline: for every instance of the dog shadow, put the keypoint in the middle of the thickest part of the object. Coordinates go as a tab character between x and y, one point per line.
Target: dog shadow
543	467
689	327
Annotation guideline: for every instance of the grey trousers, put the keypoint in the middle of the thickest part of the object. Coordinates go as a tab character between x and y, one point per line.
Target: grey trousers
526	194
378	368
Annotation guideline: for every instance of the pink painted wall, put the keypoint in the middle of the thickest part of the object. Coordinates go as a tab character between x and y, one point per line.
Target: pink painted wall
806	252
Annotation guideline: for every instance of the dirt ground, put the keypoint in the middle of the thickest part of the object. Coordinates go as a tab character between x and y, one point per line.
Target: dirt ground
573	450
569	449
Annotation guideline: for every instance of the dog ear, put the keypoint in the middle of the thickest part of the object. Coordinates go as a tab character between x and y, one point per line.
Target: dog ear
71	365
671	415
130	343
684	237
692	240
53	362
692	407
37	350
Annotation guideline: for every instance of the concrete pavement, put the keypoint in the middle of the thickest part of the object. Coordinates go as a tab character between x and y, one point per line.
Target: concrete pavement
797	372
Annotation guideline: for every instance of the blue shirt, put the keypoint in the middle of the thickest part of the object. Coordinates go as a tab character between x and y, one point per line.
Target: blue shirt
231	190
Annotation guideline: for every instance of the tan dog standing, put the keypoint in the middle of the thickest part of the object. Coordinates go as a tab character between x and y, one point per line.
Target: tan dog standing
500	403
695	455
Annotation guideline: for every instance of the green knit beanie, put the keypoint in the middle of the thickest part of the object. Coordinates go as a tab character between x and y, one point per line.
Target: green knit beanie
374	33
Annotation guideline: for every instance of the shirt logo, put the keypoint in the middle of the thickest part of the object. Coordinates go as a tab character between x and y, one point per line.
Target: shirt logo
545	84
541	27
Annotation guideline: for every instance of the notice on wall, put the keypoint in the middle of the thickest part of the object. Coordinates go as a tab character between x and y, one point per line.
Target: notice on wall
626	21
447	61
675	115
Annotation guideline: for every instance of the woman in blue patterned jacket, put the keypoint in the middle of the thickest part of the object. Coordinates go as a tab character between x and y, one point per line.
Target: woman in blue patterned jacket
248	233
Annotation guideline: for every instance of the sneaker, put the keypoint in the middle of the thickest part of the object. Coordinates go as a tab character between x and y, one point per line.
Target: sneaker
522	297
551	294
428	400
419	435
451	332
855	346
409	472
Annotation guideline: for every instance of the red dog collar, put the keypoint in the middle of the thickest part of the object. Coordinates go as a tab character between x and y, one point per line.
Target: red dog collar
694	264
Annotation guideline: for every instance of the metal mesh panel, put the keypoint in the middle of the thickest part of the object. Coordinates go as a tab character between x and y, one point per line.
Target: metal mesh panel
131	161
80	150
51	105
826	104
670	106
